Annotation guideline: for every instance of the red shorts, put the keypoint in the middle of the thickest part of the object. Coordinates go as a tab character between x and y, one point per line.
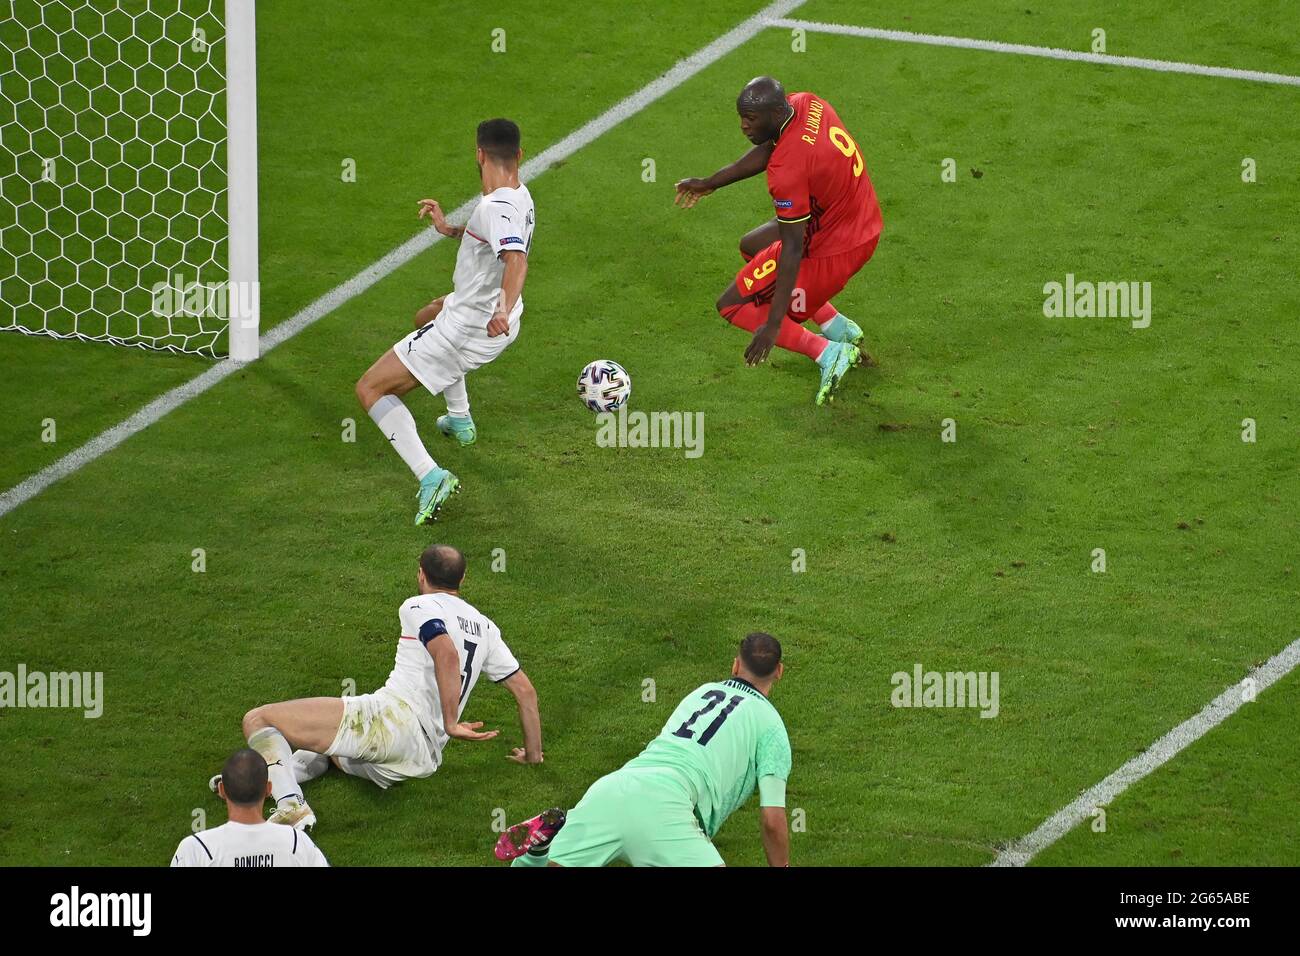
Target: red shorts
818	279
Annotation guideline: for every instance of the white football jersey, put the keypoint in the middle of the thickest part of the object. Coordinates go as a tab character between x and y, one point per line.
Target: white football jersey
501	222
249	844
478	644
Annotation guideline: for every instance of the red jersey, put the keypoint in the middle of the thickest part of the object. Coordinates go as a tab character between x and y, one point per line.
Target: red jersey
817	174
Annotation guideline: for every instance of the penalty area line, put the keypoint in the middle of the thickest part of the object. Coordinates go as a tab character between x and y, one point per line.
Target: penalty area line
1048	52
1159	753
169	401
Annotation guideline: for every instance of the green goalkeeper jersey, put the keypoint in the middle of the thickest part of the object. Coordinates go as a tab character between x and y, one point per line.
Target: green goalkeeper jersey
722	738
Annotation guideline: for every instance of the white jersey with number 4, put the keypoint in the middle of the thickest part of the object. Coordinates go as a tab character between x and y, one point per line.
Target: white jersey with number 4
502	222
249	845
478	644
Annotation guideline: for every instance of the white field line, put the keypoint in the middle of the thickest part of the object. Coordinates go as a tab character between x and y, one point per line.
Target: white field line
106	441
1052	53
1215	712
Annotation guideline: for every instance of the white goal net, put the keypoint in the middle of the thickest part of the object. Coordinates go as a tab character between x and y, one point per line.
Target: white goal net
118	169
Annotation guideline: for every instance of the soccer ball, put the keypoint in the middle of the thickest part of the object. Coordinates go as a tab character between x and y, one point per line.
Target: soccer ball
604	385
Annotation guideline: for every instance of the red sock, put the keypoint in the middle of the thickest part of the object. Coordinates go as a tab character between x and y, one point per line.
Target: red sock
825	314
792	337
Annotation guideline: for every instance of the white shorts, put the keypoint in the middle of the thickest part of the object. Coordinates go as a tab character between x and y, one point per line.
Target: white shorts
440	353
380	738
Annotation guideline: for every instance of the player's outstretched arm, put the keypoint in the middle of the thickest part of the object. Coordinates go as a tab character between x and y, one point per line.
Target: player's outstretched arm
430	208
776	836
446	671
787	274
691	191
530	719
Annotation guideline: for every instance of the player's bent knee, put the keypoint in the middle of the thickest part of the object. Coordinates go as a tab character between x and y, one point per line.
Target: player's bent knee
368	391
729	299
255	720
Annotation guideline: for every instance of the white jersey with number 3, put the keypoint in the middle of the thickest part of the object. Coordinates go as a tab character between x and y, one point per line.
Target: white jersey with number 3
478	645
501	222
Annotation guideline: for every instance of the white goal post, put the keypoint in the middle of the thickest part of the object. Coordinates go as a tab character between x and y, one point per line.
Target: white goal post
128	173
241	166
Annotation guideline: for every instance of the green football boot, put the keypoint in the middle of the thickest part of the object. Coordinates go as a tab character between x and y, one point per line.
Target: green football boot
435	488
461	429
843	329
835	362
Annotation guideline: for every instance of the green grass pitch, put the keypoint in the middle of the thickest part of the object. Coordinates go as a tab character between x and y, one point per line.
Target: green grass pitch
624	565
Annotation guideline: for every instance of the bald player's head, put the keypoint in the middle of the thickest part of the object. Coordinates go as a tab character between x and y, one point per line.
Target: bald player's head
763	108
441	566
759	661
244	778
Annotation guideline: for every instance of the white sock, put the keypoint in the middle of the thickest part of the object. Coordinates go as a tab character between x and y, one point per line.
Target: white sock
270	743
308	765
457	397
398	425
